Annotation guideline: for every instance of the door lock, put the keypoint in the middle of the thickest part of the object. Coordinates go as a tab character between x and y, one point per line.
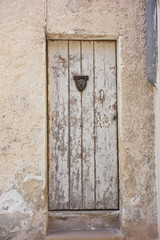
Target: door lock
81	82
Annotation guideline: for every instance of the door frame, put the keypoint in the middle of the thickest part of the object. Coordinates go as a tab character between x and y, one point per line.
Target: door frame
117	40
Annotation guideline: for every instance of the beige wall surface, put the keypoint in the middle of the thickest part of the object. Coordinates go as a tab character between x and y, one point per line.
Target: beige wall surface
23	120
157	117
24	26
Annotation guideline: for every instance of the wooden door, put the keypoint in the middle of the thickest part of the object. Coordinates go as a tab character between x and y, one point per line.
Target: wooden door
82	126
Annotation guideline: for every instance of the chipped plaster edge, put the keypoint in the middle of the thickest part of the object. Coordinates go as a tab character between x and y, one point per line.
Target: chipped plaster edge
119	105
46	131
119	94
46	112
47	142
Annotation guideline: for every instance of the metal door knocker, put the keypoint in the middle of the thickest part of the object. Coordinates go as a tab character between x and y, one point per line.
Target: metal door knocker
81	82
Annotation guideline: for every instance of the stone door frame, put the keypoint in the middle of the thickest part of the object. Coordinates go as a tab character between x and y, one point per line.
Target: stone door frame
117	39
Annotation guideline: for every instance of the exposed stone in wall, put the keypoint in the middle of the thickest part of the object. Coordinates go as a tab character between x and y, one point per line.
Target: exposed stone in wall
76	6
23	109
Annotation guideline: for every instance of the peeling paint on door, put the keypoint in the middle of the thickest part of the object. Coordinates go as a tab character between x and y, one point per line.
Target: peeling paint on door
82	126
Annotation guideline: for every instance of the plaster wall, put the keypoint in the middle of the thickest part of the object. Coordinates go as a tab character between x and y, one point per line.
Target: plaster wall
23	120
24	26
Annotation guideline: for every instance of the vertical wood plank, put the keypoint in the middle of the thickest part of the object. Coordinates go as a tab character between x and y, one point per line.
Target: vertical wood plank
58	125
106	144
75	128
88	127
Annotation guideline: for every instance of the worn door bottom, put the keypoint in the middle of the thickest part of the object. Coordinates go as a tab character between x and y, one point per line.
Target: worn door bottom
82	220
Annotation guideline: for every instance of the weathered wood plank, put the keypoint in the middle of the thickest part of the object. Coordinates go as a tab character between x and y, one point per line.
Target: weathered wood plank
88	127
75	128
82	168
58	125
106	144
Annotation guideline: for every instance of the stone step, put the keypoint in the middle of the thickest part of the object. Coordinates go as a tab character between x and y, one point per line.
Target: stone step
83	221
86	235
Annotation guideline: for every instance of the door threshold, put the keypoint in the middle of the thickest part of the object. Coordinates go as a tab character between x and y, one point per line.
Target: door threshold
83	221
82	235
